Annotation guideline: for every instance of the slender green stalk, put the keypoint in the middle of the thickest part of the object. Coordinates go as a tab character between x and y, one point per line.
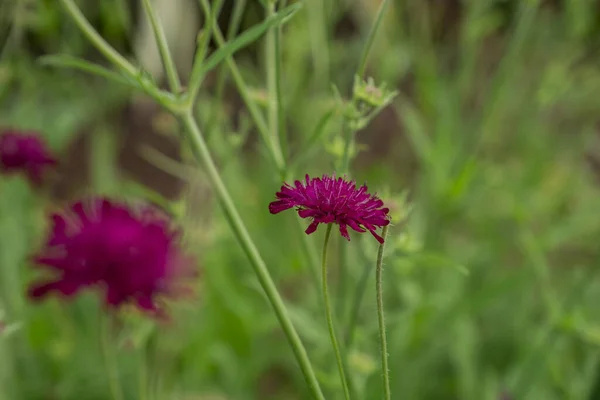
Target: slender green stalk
97	40
329	316
234	24
382	336
163	48
110	361
202	49
272	63
371	38
201	151
253	109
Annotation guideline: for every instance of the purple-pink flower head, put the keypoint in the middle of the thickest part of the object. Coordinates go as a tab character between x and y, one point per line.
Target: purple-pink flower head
131	253
333	200
26	152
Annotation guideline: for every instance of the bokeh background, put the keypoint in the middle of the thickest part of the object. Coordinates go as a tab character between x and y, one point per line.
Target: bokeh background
489	158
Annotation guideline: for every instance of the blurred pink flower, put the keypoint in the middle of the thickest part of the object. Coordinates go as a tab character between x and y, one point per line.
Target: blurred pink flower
25	152
133	254
329	200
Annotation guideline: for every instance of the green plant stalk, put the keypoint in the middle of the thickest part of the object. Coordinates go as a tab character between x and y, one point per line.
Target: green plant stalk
362	66
381	319
197	76
110	362
202	153
114	57
271	61
283	139
253	109
163	48
235	221
329	315
234	24
98	41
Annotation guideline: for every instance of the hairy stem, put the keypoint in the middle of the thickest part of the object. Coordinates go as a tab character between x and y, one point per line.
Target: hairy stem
382	336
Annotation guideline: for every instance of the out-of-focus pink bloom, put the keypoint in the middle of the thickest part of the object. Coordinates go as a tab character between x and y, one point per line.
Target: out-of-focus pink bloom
131	253
24	152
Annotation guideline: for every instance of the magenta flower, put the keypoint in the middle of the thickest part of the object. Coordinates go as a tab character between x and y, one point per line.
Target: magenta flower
26	152
132	254
329	200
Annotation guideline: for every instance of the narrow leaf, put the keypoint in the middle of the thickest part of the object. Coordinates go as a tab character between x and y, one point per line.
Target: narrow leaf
67	61
249	36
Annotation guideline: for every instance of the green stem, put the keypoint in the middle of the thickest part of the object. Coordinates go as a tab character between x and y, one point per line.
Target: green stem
272	80
97	40
234	25
371	39
382	336
163	48
110	361
329	316
253	109
201	151
197	74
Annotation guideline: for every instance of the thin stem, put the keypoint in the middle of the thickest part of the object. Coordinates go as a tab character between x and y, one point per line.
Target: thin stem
371	38
109	357
197	74
234	25
271	61
253	109
329	316
234	219
382	336
93	36
163	48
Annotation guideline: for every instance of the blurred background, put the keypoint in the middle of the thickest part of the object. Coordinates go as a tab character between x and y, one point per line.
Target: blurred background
489	158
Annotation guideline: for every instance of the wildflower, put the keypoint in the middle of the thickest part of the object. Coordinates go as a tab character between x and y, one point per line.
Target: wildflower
24	151
132	253
329	200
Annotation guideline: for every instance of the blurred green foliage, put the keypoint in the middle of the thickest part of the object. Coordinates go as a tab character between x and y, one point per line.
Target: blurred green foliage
489	282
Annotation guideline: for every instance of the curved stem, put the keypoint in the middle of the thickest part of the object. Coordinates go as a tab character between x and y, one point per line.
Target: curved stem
97	40
382	337
329	315
234	219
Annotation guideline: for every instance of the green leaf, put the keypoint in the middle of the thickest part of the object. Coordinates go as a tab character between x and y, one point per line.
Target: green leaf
67	61
249	36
